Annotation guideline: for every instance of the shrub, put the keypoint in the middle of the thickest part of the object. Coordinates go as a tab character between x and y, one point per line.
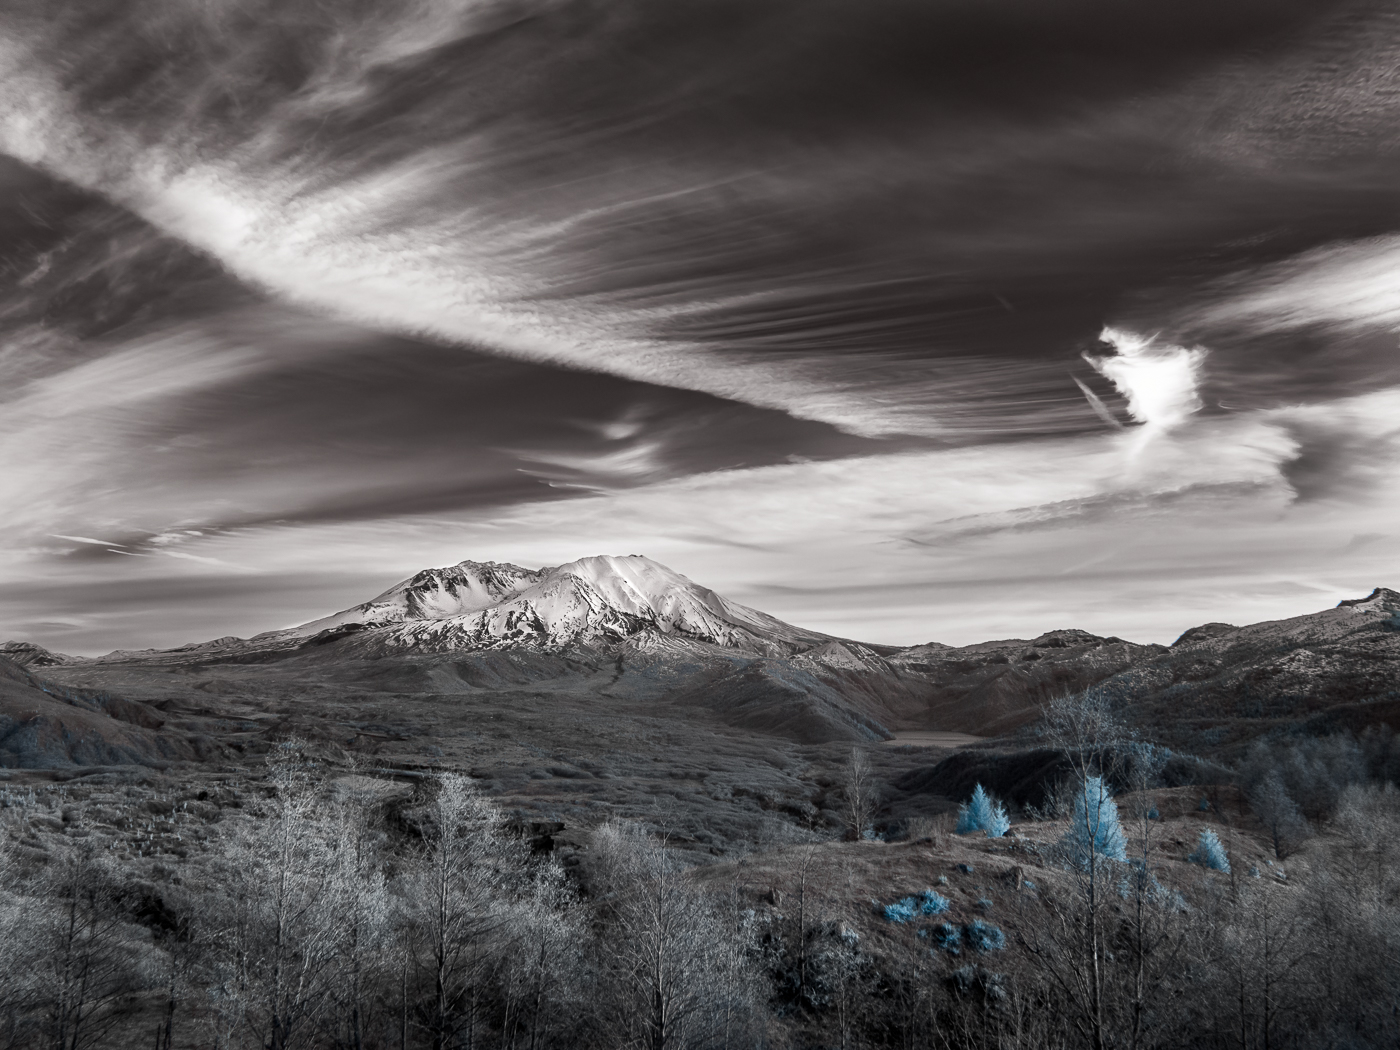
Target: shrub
1204	805
1094	829
983	936
901	911
983	813
948	937
984	904
926	903
1209	852
931	903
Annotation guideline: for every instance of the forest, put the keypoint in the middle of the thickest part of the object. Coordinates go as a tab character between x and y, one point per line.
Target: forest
311	903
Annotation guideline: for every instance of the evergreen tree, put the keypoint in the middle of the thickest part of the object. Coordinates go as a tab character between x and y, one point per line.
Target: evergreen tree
1094	829
983	813
1209	852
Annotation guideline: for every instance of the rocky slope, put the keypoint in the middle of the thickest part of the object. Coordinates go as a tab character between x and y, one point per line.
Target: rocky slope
44	726
1338	668
27	654
993	687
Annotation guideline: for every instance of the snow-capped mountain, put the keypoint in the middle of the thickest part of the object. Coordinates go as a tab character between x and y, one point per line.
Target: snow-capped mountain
596	602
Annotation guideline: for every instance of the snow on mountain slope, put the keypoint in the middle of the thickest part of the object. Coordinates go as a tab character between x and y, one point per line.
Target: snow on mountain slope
457	590
598	601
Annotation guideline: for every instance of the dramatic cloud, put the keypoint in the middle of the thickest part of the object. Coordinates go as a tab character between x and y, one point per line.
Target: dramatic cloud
808	300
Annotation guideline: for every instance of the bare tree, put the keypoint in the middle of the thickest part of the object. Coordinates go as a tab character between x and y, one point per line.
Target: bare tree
17	913
177	941
541	971
460	905
85	953
860	794
1278	813
1265	946
276	935
673	977
359	899
1071	947
1152	931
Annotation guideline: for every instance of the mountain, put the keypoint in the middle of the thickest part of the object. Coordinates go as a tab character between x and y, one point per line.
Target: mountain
1337	668
621	634
597	602
27	654
1216	683
993	687
626	638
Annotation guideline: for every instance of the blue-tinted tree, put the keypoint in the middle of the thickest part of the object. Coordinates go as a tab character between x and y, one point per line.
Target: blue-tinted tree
1209	853
983	813
1095	832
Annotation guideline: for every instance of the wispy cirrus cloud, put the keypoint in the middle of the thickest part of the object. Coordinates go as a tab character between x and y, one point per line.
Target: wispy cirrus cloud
1348	285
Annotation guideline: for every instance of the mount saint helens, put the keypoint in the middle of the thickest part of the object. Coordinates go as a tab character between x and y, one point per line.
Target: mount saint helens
621	638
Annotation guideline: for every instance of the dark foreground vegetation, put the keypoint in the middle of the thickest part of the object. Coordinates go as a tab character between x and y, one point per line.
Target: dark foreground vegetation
308	903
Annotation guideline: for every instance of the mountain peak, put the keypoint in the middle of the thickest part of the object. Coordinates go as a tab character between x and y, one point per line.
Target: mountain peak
1380	599
596	601
27	654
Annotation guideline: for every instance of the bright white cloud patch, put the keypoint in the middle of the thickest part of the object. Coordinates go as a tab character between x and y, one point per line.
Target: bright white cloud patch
1158	379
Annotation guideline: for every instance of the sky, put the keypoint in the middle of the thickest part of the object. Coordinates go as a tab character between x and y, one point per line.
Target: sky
904	320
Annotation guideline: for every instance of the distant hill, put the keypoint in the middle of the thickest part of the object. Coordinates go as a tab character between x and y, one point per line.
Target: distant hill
43	726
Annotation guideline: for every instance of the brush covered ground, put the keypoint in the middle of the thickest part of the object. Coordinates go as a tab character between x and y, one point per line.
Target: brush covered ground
827	963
